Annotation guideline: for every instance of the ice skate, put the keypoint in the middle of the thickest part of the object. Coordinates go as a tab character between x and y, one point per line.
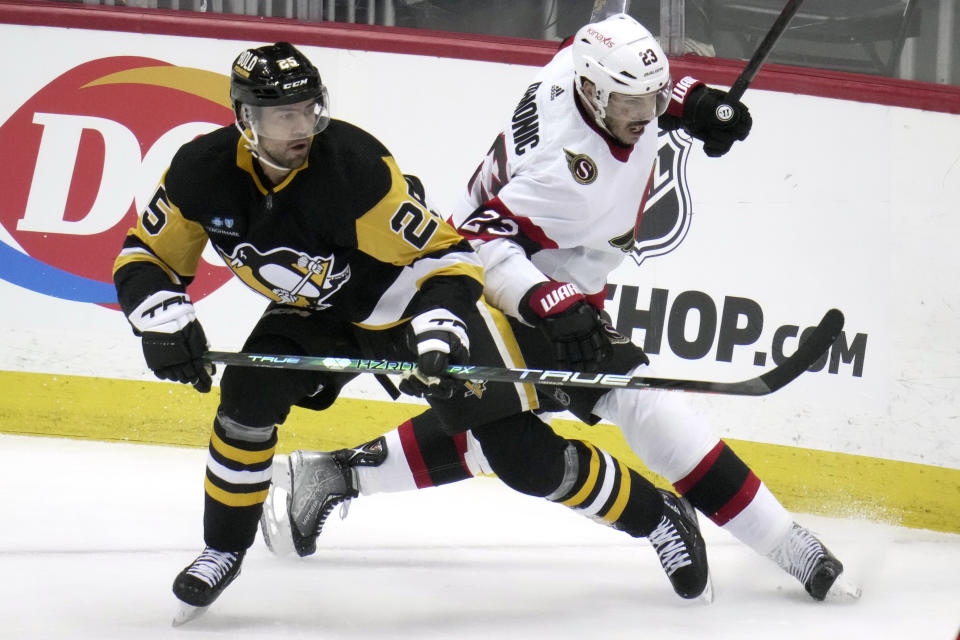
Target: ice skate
305	489
202	582
681	549
319	481
804	557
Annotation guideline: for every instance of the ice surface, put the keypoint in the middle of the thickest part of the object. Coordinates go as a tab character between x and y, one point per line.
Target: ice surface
93	534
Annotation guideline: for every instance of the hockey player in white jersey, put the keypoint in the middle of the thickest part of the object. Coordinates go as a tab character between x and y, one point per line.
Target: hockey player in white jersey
546	210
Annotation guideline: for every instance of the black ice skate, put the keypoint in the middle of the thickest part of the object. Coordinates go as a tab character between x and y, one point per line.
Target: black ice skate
202	582
681	548
804	557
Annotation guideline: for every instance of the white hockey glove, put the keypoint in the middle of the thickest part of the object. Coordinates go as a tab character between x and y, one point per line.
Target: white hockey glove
173	340
440	339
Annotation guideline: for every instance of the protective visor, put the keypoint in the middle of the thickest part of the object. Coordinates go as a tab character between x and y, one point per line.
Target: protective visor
288	122
644	107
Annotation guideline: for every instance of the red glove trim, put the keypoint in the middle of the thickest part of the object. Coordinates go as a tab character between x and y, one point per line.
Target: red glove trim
597	300
555	297
678	96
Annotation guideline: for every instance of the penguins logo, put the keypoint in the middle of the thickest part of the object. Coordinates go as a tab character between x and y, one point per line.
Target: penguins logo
667	213
288	276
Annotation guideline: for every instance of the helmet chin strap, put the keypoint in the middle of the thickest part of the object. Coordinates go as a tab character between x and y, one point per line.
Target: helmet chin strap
596	110
253	144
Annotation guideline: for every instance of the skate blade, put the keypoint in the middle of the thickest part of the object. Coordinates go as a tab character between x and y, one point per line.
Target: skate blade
281	472
707	596
274	521
843	588
186	612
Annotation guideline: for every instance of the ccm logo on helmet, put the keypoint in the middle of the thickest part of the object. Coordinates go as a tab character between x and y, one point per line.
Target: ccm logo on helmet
602	39
295	84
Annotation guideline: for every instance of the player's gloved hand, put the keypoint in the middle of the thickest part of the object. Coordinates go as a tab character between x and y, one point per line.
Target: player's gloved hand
573	326
709	117
173	340
440	339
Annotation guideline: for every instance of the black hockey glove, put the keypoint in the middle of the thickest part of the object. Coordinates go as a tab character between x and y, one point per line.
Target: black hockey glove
440	339
571	324
173	340
705	118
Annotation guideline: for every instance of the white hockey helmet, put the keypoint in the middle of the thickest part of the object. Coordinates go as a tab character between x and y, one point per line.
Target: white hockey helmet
619	55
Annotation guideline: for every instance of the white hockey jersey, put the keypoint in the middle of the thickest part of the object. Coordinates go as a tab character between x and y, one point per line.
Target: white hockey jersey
554	194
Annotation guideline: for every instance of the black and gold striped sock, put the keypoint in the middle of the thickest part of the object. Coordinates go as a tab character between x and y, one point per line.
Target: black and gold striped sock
239	470
603	488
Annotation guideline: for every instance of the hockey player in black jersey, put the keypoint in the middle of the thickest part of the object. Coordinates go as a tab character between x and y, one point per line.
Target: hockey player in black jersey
315	215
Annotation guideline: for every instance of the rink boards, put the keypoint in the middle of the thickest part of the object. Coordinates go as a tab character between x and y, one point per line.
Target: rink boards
831	202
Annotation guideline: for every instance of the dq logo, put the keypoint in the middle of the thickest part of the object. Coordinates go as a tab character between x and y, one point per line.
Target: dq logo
83	156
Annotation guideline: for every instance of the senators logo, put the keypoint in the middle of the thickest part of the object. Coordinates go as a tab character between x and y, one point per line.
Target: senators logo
288	276
582	167
83	156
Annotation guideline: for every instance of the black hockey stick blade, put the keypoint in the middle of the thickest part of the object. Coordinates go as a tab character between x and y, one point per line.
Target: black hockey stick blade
809	351
763	51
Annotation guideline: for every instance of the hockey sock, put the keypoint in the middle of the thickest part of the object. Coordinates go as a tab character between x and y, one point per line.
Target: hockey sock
418	455
239	469
727	491
598	485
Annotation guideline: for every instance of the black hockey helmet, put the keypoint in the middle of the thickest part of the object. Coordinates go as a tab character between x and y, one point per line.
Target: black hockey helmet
273	75
276	76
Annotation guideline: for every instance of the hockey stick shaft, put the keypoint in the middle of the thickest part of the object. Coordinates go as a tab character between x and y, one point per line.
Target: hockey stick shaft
763	51
809	351
605	8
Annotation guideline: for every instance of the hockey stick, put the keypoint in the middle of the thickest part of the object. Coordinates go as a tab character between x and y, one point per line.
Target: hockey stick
809	351
601	10
761	54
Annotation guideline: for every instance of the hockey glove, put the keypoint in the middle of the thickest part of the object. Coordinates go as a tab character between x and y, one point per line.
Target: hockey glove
708	117
571	324
173	340
440	339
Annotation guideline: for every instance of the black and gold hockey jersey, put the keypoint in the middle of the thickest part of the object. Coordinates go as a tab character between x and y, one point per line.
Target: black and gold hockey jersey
347	234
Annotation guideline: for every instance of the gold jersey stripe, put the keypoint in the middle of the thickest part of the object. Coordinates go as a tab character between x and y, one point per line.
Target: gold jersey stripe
144	256
623	495
234	499
377	237
457	268
240	455
505	331
176	241
591	481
